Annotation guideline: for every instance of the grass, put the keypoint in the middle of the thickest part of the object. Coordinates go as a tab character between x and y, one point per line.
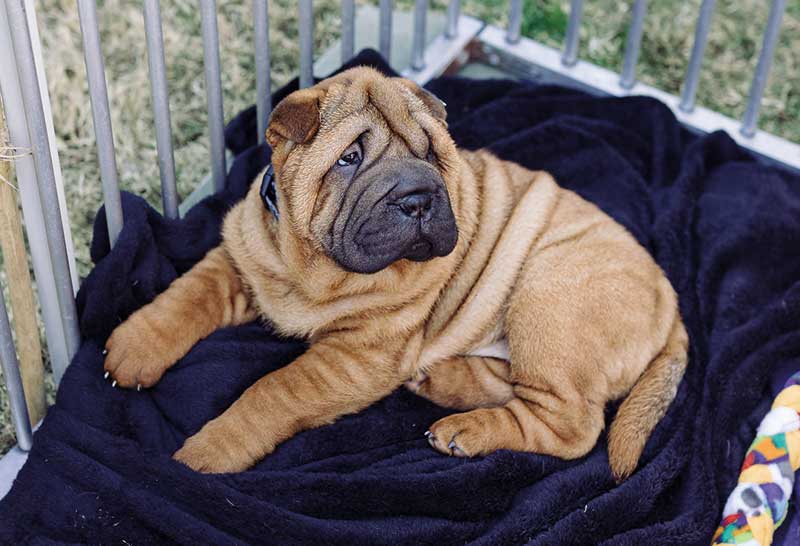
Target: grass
731	55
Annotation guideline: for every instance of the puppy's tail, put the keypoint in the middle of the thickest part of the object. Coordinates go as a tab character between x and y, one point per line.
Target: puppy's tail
647	403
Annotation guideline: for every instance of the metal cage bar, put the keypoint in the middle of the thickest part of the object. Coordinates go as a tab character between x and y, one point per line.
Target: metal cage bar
696	59
418	45
45	180
763	67
385	33
306	34
262	54
348	29
453	14
216	127
16	394
160	96
633	45
101	117
514	21
38	60
572	40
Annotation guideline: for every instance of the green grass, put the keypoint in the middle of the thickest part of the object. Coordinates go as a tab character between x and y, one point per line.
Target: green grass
731	54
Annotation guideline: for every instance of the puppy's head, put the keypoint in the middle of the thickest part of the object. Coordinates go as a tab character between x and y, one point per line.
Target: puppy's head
366	170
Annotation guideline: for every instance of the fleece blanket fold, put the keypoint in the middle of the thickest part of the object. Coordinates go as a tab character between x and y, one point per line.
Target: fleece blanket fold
724	227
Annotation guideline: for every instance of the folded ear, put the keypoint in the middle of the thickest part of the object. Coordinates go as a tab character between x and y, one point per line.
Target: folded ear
296	117
434	104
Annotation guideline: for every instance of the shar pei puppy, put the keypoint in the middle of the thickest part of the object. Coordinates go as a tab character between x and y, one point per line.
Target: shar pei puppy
479	284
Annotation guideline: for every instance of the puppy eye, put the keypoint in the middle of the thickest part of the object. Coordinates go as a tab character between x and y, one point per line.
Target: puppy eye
350	158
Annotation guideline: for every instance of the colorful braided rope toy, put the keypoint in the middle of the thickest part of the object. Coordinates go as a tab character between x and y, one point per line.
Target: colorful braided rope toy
758	504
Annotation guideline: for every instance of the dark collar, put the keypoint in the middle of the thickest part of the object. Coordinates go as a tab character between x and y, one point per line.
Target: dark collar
268	191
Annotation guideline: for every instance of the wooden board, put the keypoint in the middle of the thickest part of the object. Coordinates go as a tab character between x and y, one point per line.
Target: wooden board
20	287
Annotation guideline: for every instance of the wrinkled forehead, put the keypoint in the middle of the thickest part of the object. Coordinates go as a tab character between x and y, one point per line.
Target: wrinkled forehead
353	105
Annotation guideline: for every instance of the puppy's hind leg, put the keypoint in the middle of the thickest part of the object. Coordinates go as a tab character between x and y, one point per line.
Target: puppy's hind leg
465	382
540	421
505	415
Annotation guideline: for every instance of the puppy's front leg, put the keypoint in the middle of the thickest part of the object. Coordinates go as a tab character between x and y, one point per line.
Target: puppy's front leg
328	381
156	336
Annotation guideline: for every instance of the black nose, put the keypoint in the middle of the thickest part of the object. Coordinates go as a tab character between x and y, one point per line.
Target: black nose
414	195
416	205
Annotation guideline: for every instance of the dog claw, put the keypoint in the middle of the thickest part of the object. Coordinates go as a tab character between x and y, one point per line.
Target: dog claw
455	450
105	352
138	387
114	383
431	439
105	375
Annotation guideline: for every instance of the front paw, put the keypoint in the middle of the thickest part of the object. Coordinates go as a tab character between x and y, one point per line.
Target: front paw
139	352
216	450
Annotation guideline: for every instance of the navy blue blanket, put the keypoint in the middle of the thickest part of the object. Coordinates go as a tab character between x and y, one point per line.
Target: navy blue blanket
725	228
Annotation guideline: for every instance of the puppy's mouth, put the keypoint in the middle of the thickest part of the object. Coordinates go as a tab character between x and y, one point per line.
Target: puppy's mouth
420	251
421	230
389	237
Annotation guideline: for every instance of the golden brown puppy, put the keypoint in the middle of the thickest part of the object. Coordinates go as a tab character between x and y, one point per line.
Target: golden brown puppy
479	284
